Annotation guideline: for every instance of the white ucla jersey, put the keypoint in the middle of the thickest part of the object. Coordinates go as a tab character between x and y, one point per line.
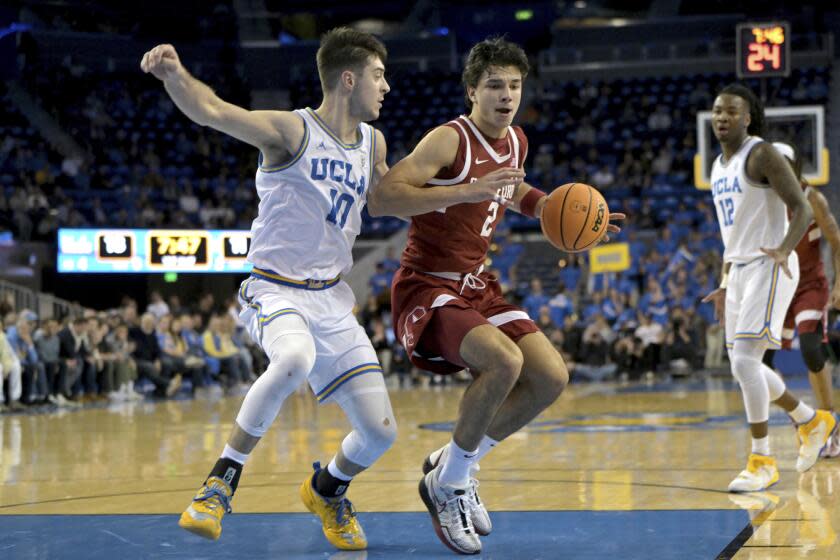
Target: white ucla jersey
750	215
310	208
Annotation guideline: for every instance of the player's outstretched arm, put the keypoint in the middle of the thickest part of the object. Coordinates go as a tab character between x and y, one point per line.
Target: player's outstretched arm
828	225
401	192
262	129
765	163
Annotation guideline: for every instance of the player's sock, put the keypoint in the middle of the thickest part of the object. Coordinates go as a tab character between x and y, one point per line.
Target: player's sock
485	446
802	413
761	446
229	471
456	469
331	482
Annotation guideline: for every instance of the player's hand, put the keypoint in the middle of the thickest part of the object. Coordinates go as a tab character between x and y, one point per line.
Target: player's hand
835	297
780	258
487	188
611	227
718	299
162	62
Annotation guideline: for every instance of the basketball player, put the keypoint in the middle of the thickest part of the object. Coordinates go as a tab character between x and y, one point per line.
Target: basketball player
448	312
313	178
808	313
753	188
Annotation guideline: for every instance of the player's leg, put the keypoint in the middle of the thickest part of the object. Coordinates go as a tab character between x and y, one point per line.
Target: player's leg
812	342
357	385
365	402
745	358
465	337
498	362
543	378
291	351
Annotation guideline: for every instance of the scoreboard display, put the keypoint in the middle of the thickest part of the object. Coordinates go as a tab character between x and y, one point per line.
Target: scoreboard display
153	250
763	49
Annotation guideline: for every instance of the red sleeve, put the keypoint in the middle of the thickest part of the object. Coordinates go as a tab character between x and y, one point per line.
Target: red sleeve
460	156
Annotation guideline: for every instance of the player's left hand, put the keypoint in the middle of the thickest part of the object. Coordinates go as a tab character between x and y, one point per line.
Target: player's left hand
780	258
835	297
611	227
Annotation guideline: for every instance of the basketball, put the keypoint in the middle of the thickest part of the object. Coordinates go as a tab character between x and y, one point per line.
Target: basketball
575	217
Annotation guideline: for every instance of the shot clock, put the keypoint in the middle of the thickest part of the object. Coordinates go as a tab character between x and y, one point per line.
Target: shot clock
763	49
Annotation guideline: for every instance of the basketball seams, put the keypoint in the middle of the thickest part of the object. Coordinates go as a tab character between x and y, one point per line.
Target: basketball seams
562	211
585	220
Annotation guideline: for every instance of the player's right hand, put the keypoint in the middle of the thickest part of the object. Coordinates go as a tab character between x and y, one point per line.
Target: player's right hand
487	188
718	299
162	62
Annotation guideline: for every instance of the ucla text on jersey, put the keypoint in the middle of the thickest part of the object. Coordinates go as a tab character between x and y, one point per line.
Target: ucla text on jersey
310	208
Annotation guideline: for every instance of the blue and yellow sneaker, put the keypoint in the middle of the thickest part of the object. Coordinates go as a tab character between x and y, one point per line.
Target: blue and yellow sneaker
340	524
204	516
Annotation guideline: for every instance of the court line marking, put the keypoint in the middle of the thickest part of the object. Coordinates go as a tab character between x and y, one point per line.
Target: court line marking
740	540
295	484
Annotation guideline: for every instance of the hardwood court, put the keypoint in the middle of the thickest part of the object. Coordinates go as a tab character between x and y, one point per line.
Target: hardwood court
607	472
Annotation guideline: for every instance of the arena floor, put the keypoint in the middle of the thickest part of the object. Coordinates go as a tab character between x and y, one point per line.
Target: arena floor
627	472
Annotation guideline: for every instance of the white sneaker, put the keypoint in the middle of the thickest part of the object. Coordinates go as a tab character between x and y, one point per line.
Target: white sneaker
813	436
832	448
478	513
761	473
449	509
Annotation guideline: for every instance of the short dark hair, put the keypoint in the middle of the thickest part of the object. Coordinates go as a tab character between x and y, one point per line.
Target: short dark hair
493	51
757	120
343	48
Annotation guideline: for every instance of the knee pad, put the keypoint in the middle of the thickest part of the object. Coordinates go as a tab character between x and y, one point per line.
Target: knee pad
364	445
292	357
290	344
374	427
813	352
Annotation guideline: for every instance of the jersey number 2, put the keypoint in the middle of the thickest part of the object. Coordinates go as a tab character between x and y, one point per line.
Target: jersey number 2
487	230
341	204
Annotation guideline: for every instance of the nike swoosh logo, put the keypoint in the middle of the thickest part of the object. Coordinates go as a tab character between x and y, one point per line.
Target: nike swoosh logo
480	161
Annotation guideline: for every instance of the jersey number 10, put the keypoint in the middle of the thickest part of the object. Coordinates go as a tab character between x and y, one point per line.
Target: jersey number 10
341	204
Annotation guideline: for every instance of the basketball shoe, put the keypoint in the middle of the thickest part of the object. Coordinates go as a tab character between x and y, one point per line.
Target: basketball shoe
761	473
832	448
338	516
204	516
478	513
813	437
449	509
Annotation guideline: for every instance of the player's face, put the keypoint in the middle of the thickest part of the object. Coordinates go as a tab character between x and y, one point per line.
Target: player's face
369	91
497	96
730	117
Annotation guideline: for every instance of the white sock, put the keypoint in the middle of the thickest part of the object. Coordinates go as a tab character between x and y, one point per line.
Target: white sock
456	469
761	446
485	446
231	453
336	472
802	413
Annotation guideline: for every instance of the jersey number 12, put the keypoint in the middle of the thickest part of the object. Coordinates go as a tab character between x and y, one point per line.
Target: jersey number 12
727	208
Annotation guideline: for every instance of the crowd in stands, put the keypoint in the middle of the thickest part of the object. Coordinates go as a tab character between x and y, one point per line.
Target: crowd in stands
121	355
146	165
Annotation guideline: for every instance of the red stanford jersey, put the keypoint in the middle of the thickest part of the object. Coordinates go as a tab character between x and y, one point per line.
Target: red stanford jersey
456	239
808	250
